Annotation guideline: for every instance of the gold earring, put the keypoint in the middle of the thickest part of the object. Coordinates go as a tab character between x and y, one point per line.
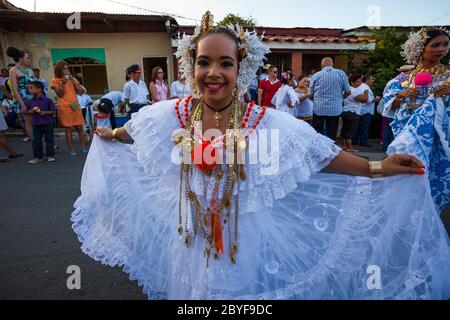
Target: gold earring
195	89
235	92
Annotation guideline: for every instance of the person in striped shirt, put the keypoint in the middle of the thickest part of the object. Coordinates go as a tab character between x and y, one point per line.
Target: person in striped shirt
328	87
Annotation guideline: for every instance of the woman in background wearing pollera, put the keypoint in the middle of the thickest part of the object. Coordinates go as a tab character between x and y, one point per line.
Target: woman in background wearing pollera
419	102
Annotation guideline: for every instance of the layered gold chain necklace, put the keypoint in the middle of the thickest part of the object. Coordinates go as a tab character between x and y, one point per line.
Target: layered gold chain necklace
220	212
435	70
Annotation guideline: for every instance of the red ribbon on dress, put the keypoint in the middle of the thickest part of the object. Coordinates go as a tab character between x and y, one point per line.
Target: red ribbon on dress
216	227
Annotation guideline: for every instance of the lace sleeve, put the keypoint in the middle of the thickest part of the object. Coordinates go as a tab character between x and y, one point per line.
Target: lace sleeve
297	154
151	129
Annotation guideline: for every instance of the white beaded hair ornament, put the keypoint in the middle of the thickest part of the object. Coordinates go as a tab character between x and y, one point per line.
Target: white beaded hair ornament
414	46
252	52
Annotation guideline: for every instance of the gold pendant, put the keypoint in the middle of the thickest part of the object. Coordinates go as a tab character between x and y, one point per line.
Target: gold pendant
217	118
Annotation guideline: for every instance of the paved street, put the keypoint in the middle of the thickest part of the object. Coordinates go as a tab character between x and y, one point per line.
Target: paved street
37	241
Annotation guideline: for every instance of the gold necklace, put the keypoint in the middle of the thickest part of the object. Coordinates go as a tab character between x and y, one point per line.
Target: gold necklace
436	69
217	116
218	212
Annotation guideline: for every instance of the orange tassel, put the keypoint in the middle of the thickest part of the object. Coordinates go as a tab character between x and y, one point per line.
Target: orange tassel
216	230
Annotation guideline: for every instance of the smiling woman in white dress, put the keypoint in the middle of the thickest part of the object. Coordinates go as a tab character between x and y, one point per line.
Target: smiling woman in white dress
269	229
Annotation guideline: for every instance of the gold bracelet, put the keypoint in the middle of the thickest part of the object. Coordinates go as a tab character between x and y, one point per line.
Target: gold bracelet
376	169
114	138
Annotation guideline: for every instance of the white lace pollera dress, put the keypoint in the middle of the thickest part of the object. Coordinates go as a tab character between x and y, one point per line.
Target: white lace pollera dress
302	234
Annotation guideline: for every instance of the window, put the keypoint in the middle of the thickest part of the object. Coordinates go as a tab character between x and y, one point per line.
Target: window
87	64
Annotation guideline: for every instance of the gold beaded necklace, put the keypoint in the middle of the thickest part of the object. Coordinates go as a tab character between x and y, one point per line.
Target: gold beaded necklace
211	220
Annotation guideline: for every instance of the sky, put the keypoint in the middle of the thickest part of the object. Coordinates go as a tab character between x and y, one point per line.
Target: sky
287	13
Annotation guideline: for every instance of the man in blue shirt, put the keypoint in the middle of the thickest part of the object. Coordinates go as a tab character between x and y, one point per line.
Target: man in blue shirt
329	87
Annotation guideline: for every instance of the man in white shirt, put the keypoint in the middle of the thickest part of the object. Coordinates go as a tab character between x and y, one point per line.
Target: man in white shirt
367	111
180	89
84	100
352	109
135	90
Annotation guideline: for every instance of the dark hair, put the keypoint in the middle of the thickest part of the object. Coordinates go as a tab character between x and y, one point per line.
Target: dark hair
272	67
102	107
59	68
354	77
15	53
4	69
433	33
219	30
366	77
11	65
289	78
37	84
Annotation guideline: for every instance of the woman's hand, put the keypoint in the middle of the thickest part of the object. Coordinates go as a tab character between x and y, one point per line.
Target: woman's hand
401	164
441	91
411	93
23	108
104	133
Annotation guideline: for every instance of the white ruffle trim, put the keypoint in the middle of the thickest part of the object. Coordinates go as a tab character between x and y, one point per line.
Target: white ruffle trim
301	153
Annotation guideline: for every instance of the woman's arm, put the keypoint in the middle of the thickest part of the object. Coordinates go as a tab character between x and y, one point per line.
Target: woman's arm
108	134
168	91
60	90
17	96
402	95
304	97
346	163
78	88
363	97
152	88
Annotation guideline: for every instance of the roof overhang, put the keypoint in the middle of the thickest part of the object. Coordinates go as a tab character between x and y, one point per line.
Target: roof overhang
90	22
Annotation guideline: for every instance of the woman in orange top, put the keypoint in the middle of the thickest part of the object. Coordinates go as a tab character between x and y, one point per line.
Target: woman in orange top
66	88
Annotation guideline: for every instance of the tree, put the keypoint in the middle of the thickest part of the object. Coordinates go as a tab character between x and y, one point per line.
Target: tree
234	18
383	61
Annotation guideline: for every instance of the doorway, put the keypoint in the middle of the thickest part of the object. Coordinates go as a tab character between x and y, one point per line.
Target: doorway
150	62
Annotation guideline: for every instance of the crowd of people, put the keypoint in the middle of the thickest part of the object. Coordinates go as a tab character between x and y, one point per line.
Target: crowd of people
338	105
27	105
329	100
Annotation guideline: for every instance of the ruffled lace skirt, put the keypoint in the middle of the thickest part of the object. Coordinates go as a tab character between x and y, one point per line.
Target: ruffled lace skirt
333	237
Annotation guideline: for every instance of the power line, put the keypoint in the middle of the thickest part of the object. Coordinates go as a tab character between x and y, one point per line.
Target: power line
153	11
439	18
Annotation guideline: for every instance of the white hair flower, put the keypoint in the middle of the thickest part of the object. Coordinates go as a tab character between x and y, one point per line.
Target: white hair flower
415	45
251	48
